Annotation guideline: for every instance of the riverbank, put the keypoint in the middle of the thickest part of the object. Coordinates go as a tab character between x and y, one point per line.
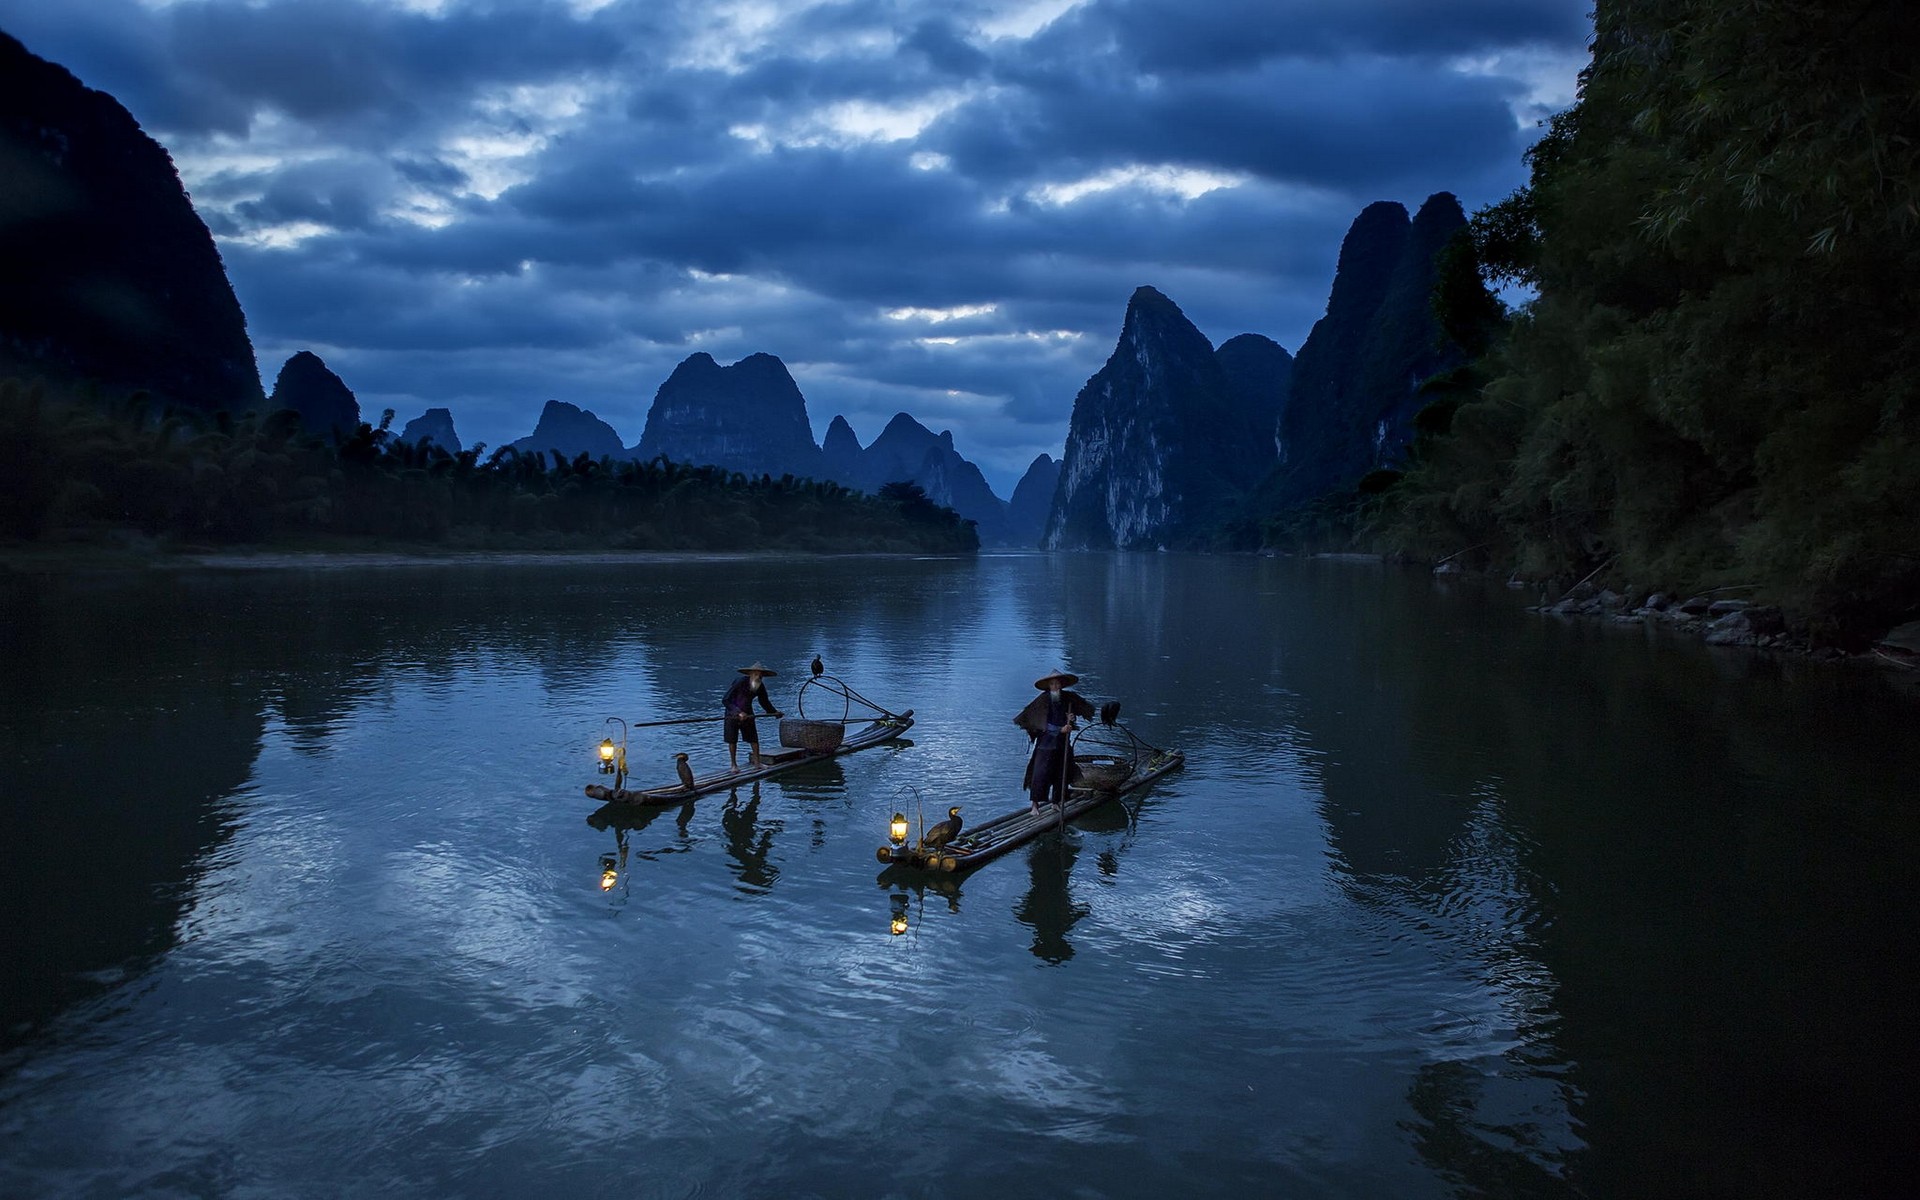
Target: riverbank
150	555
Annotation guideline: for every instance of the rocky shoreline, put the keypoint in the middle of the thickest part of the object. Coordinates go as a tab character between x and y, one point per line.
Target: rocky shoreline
1721	622
1726	621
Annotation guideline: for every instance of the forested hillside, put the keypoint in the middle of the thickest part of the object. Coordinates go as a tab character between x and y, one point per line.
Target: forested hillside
74	469
1716	384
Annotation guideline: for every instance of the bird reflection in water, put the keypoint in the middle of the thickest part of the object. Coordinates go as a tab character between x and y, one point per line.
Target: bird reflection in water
625	821
1048	908
750	844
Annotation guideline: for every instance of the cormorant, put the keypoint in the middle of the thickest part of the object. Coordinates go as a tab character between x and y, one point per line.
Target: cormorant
944	832
686	772
818	666
1109	712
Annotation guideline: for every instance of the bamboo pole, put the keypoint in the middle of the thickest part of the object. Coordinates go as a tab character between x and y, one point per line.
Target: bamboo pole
675	721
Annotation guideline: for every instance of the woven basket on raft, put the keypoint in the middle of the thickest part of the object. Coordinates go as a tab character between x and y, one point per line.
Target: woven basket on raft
819	736
1102	772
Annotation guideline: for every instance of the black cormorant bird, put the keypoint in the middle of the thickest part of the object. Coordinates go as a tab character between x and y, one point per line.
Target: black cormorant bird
944	832
686	772
818	666
1109	712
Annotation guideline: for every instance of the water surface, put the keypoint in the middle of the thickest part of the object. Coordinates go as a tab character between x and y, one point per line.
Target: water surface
302	897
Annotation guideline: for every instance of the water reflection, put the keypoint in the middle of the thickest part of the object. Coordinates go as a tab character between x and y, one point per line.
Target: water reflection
749	841
907	897
613	867
627	819
1048	907
1515	908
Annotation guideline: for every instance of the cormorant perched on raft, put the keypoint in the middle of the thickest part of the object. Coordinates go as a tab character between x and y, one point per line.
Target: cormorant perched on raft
1109	712
686	772
944	832
818	666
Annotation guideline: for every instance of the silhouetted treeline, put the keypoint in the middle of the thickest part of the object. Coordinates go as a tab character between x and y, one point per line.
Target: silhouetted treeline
75	469
1719	380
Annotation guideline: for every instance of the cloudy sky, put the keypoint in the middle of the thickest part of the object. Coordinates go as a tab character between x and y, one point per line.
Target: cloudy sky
939	206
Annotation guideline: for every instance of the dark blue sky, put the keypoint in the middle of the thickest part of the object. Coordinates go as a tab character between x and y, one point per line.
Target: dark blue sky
940	207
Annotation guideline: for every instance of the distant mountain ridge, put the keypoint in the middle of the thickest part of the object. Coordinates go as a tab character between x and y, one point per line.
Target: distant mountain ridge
908	451
572	431
752	418
436	426
327	406
1032	500
749	417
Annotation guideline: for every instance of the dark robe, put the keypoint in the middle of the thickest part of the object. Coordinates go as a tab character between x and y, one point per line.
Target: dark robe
739	706
1045	720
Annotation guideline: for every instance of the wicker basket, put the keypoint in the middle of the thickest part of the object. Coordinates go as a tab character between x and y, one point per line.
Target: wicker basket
818	736
1103	772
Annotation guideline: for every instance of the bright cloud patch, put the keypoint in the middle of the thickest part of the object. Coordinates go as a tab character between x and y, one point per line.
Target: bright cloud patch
850	123
1186	183
1024	19
937	315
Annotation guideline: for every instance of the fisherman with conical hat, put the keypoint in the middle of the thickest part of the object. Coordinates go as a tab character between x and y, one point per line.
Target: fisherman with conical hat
1049	721
739	712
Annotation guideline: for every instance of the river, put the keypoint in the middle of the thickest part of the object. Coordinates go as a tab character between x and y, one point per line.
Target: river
302	898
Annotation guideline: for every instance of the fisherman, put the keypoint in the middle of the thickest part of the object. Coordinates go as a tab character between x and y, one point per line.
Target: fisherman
739	710
1049	721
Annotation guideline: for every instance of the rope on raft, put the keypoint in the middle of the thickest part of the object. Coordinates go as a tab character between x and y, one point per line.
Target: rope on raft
835	687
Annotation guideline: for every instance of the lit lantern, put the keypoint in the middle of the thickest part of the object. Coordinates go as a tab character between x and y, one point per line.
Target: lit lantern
897	829
606	757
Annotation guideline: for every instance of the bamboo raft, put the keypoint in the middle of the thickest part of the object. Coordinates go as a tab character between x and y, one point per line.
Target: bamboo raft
1102	778
881	729
808	740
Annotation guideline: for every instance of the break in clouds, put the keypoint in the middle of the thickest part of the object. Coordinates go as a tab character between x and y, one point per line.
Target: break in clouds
940	207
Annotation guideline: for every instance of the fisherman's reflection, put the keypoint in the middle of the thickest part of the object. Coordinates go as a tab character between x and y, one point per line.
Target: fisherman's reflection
1048	907
748	843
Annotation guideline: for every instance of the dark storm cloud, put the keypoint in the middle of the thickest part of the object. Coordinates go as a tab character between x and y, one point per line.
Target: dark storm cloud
946	49
1232	34
1350	126
930	206
342	195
